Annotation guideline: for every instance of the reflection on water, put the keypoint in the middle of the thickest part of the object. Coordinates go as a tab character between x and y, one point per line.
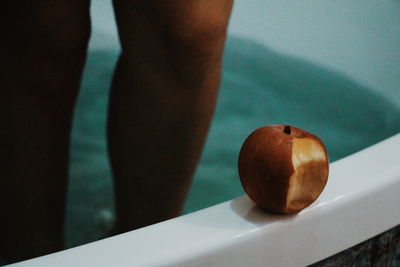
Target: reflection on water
259	87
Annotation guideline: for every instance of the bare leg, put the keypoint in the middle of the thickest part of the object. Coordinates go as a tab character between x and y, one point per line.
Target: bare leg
162	101
44	48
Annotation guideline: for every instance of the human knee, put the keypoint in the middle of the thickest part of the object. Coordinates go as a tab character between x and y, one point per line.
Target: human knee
47	41
55	31
185	33
195	36
199	31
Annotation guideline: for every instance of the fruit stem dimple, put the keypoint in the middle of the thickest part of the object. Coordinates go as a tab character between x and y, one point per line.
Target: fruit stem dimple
287	130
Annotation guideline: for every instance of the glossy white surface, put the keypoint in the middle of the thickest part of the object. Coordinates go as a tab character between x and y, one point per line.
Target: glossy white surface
360	200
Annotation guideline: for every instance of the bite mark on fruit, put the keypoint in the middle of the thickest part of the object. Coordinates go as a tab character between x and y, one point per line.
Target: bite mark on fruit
310	174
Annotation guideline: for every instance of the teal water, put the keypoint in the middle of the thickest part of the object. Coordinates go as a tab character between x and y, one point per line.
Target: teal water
259	87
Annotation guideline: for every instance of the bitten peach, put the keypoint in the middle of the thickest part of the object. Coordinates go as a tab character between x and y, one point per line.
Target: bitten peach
283	168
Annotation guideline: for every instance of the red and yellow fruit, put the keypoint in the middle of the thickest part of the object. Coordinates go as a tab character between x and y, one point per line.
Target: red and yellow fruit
283	168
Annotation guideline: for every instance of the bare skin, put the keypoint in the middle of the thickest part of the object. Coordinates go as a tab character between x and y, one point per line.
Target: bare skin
162	100
41	65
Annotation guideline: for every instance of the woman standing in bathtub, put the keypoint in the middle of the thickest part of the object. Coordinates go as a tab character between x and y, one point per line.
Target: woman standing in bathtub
162	99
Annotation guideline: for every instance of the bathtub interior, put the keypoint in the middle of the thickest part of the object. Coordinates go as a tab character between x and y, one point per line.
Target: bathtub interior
331	68
253	93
